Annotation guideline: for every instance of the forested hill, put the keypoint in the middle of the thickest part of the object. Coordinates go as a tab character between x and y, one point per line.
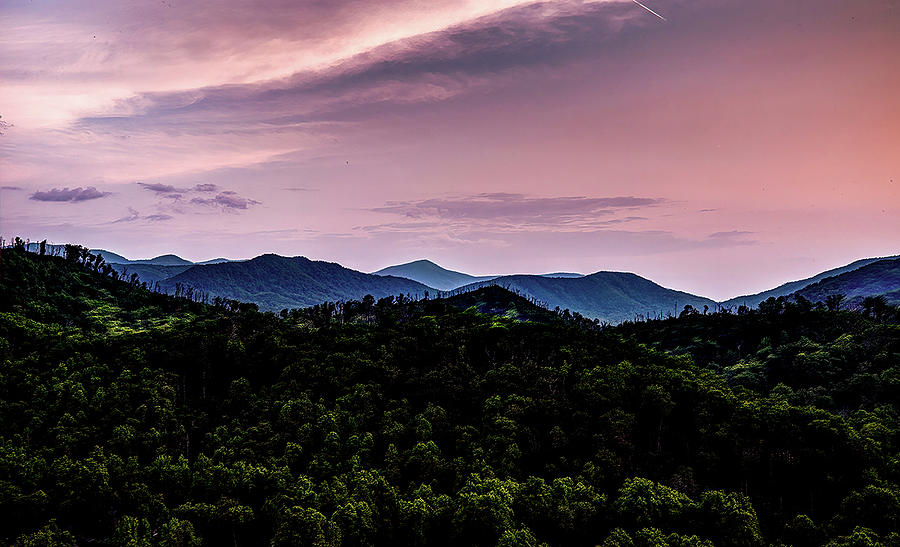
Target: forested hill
611	297
792	287
134	418
881	278
276	282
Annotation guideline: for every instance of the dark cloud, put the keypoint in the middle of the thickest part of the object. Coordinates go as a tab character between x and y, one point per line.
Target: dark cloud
69	195
10	188
206	187
162	188
518	208
227	200
158	217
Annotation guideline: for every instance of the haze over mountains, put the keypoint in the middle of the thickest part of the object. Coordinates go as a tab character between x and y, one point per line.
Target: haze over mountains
429	273
275	282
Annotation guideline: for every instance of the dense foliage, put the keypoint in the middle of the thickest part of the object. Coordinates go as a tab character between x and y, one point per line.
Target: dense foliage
135	418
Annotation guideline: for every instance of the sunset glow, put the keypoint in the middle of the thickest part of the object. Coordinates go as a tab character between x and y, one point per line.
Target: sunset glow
724	150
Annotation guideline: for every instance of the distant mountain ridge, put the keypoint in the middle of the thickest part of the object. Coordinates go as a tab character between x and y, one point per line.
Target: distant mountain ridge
608	296
276	282
879	278
753	300
115	258
429	273
149	273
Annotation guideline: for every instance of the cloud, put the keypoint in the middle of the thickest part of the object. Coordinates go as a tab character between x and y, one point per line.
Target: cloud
299	189
69	195
130	217
730	234
133	215
10	188
470	55
227	200
161	188
206	187
521	210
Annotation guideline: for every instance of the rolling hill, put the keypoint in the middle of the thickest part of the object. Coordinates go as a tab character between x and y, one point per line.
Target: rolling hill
609	296
163	260
881	278
429	273
110	257
149	273
115	258
753	300
276	282
60	250
495	300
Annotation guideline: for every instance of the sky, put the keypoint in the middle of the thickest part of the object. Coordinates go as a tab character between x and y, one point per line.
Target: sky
724	150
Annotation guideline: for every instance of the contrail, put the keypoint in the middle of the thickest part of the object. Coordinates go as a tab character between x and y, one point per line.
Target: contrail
648	9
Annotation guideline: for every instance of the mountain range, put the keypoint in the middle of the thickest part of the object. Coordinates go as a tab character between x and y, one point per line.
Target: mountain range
276	282
115	258
611	297
429	273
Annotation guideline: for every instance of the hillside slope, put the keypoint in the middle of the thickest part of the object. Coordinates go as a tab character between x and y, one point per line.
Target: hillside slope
149	273
608	296
276	282
753	300
881	278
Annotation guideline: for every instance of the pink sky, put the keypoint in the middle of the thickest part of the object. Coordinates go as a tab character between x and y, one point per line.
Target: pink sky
733	147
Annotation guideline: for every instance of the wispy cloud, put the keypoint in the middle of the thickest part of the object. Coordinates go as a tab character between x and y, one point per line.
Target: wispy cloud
206	187
130	217
300	189
466	56
730	234
134	215
10	188
227	200
69	194
161	188
521	210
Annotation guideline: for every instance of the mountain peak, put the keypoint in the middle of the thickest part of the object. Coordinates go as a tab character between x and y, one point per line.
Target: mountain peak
431	274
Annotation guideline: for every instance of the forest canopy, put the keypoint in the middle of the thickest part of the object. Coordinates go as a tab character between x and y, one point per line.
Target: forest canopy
131	417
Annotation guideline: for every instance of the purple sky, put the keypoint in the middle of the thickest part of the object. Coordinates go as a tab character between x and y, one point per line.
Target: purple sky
733	147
